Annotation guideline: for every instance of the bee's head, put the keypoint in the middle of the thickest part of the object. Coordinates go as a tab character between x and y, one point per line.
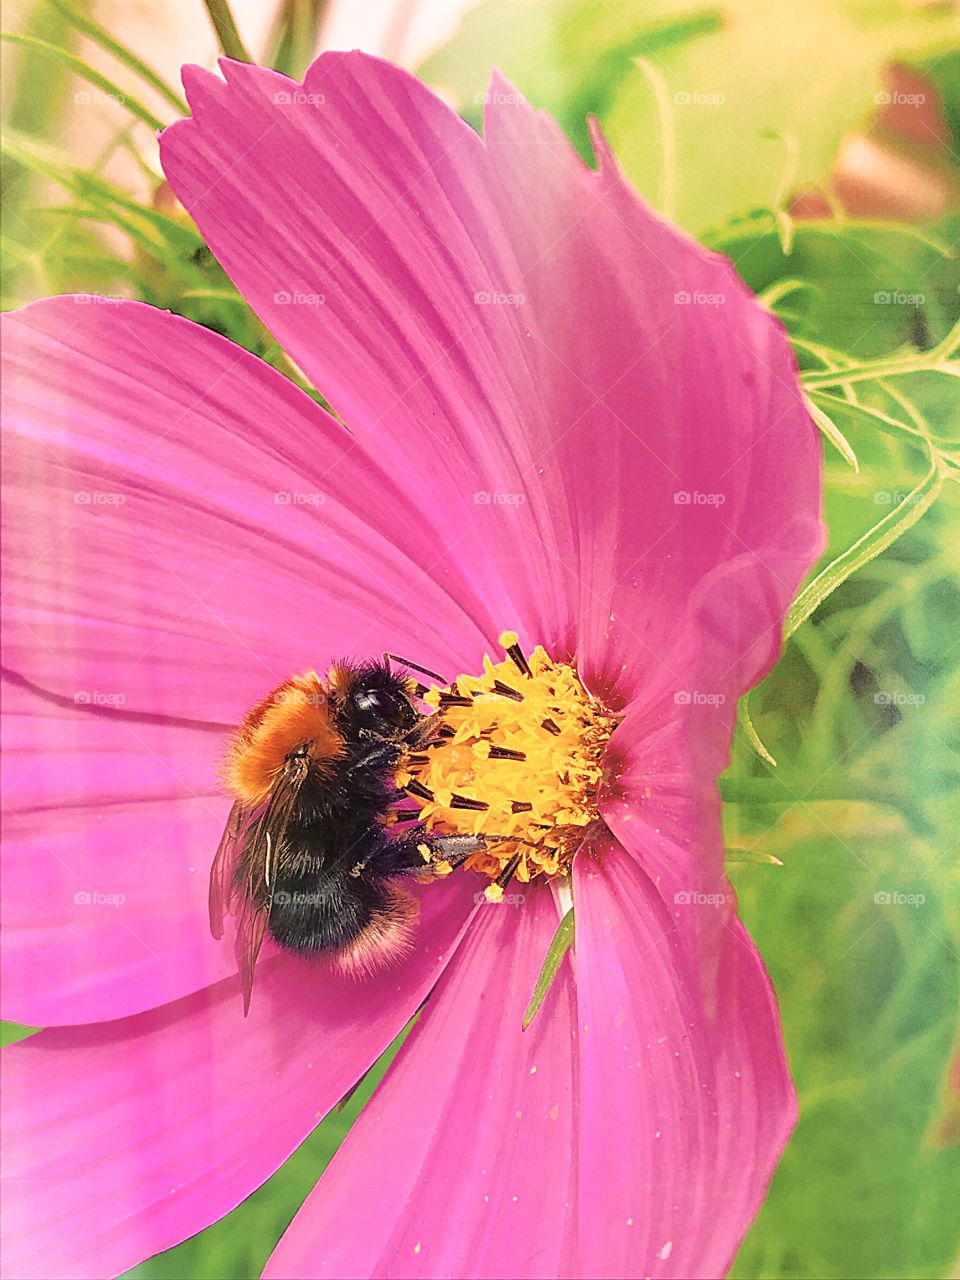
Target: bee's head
378	702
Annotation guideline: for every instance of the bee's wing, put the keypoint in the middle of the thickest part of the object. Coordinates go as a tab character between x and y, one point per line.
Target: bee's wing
243	871
222	887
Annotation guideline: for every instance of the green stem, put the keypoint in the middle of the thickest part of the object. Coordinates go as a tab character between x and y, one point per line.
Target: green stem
886	531
880	369
226	29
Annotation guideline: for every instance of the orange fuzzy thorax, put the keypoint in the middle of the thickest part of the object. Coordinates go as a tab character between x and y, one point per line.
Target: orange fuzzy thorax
296	713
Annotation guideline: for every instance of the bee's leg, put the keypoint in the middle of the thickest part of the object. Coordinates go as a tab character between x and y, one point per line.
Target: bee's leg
382	756
416	850
423	730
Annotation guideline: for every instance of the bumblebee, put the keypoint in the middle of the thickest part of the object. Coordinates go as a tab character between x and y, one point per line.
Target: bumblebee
314	849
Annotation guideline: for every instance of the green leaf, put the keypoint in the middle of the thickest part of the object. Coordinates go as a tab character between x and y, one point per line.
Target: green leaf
865	288
12	1032
871	370
862	415
882	535
567	57
755	856
833	433
562	942
72	63
746	726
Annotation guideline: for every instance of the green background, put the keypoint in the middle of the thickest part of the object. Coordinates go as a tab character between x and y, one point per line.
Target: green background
717	113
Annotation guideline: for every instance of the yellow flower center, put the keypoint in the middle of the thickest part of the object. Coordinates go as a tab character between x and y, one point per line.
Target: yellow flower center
515	756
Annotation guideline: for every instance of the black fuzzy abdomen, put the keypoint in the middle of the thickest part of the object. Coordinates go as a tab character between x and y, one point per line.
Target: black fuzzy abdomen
322	898
318	903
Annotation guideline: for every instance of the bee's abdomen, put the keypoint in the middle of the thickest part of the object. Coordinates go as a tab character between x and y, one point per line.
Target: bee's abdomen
323	902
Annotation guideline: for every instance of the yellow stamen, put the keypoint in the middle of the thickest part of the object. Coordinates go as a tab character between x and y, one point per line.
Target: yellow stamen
517	755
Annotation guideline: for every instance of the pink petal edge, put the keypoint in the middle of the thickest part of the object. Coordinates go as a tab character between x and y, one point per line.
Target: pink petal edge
124	1138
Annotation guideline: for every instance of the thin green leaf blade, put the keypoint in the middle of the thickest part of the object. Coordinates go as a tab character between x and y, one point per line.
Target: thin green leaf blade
561	944
83	69
833	433
121	53
882	535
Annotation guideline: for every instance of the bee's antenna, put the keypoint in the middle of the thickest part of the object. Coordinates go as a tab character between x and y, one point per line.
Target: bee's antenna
415	666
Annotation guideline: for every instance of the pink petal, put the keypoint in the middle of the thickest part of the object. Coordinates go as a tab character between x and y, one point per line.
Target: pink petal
189	528
109	830
123	1139
461	1165
155	589
492	318
672	1172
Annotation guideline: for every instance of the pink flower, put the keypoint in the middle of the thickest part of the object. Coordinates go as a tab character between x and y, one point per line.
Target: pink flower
564	417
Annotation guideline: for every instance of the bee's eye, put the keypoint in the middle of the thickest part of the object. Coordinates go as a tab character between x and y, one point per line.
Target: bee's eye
382	705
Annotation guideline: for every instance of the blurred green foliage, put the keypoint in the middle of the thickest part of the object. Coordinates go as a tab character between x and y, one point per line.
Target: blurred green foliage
717	112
